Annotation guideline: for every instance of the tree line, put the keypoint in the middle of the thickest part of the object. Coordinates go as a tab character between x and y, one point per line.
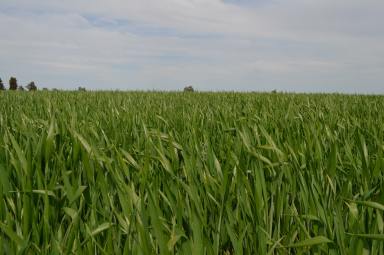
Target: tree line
32	86
14	86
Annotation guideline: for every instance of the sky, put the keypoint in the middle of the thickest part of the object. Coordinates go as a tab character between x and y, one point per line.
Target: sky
213	45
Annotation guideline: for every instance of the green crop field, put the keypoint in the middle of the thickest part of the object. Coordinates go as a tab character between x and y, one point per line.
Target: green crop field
191	173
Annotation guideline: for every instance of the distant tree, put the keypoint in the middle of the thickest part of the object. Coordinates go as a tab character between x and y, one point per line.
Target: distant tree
31	86
189	89
12	83
1	85
20	88
81	89
45	89
274	91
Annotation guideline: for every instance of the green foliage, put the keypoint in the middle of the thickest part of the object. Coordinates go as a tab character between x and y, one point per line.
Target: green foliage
13	83
1	85
31	86
191	173
189	89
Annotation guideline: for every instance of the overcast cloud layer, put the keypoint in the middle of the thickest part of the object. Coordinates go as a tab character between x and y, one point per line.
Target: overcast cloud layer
245	45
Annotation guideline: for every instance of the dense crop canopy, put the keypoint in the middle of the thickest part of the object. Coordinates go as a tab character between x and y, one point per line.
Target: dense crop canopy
191	173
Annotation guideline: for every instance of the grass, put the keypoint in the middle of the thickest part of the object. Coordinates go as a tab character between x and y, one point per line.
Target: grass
191	173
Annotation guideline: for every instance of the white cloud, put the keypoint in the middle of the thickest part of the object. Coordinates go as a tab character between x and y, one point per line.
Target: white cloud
289	45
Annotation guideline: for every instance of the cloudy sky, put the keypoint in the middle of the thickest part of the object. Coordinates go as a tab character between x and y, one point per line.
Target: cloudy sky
245	45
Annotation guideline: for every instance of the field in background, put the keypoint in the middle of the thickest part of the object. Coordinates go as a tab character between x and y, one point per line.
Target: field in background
191	173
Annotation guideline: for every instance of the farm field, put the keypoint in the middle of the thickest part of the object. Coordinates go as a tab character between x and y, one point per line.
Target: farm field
191	173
